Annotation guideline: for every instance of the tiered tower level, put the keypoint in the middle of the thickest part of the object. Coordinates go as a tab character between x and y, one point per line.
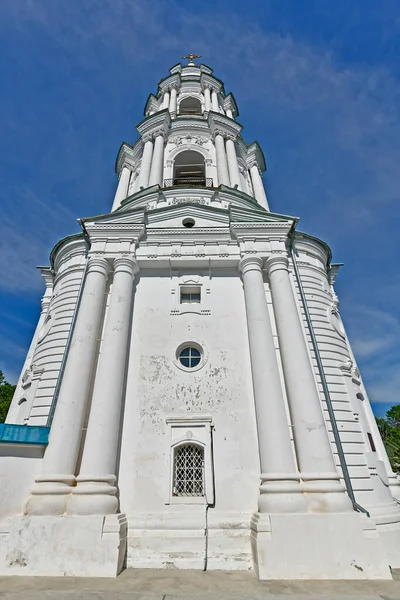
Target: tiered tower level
190	398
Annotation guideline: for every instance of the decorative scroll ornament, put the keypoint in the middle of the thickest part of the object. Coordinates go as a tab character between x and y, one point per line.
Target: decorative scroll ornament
351	369
189	200
335	320
188	139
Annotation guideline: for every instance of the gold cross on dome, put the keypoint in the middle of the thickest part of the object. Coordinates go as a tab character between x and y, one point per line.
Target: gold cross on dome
191	57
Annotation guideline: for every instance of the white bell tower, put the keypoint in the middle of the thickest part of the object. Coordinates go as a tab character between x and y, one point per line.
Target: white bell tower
190	136
190	398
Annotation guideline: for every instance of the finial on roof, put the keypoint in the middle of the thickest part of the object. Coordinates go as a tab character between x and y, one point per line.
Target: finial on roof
191	57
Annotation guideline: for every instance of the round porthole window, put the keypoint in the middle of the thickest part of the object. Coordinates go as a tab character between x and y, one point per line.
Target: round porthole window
188	222
190	356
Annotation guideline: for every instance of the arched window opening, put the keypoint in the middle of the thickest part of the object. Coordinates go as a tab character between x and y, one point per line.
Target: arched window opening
188	470
23	411
190	106
189	169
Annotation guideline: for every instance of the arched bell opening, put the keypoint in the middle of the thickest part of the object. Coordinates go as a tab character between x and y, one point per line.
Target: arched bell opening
190	106
189	169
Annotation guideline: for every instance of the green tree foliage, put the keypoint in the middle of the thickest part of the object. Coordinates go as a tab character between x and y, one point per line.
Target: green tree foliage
389	428
6	394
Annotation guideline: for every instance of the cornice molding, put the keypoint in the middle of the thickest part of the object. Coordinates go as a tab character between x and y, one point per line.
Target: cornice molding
333	272
158	121
208	80
72	244
166	84
230	102
48	275
255	156
221	125
152	104
312	246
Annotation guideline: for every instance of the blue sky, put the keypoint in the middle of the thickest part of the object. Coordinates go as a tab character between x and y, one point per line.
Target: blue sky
317	83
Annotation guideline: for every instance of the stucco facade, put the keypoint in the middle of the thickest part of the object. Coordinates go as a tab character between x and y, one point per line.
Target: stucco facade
203	404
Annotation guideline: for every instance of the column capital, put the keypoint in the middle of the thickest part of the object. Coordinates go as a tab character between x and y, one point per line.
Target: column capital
148	137
159	132
124	165
98	264
254	163
251	263
218	131
127	263
277	262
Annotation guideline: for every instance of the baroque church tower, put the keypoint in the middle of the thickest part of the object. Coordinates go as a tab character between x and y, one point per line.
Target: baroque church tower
190	398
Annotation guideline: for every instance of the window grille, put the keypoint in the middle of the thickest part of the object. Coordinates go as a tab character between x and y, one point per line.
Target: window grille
188	471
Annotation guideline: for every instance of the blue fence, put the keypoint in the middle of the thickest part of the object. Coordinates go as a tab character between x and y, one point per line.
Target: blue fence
23	434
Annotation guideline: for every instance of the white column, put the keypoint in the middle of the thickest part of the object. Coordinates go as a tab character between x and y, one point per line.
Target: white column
229	113
258	187
214	101
207	99
166	99
234	174
279	482
122	189
146	162
222	166
313	447
172	102
157	165
96	490
49	495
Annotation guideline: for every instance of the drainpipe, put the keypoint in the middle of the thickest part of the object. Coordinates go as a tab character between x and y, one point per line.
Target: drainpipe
346	476
71	331
207	504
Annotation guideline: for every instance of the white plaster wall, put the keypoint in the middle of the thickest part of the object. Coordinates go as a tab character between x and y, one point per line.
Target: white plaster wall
18	466
50	350
157	388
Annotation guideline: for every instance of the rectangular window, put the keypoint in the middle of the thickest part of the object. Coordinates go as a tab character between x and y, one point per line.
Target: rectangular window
190	295
371	442
189	475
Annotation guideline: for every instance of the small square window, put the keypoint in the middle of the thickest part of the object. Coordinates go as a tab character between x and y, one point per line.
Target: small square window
190	295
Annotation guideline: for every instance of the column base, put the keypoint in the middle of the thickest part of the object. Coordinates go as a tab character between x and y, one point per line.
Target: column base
49	495
64	546
325	493
324	546
93	495
281	493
